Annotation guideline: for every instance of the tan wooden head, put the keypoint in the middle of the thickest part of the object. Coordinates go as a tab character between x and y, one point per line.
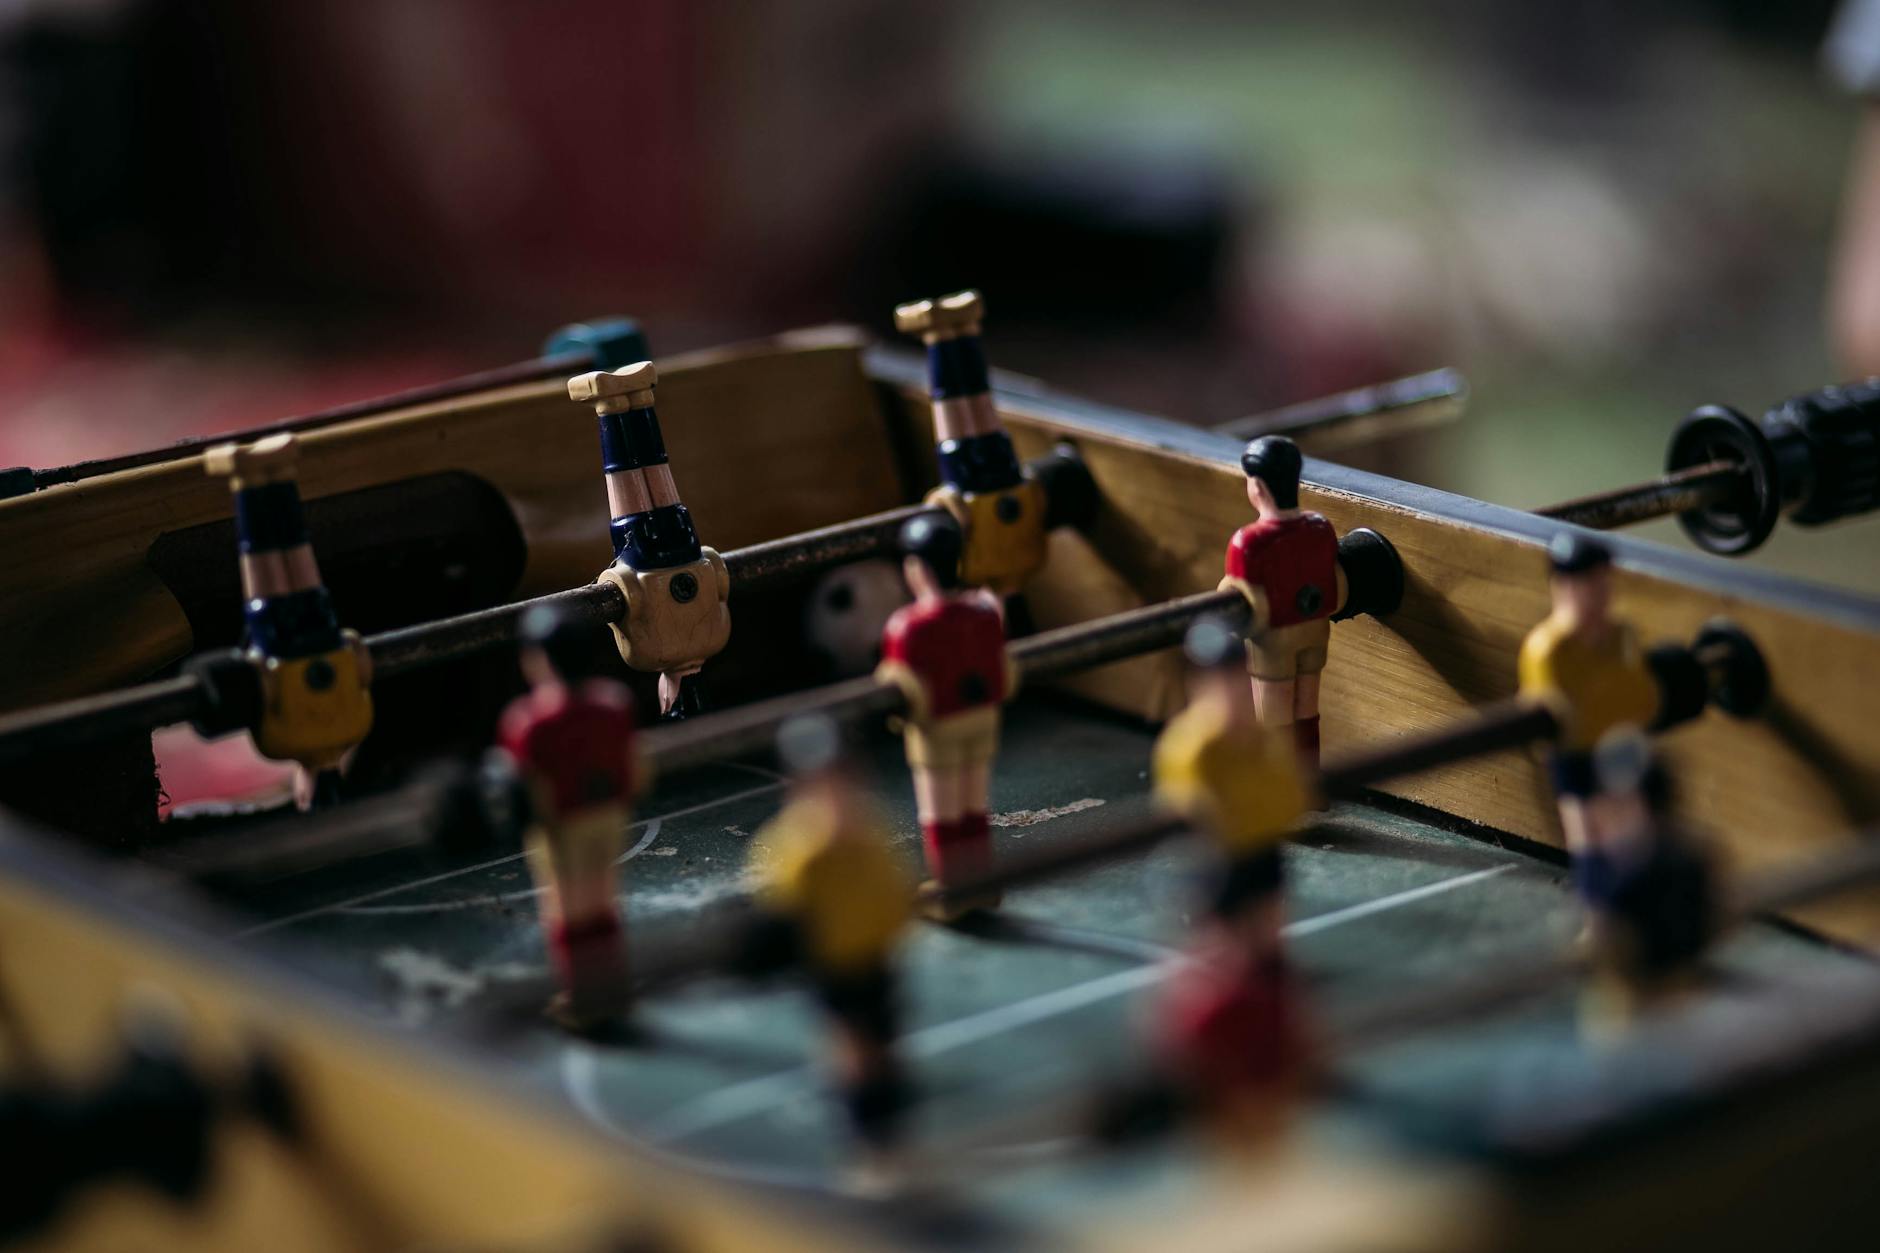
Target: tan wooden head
629	387
944	318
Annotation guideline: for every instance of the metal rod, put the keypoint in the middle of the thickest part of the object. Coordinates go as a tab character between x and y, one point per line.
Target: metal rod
410	648
1363	413
1505	724
1051	654
71	723
811	552
753	728
1137	837
1711	483
446	639
450	389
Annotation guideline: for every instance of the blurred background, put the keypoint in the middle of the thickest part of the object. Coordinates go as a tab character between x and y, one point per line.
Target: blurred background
214	213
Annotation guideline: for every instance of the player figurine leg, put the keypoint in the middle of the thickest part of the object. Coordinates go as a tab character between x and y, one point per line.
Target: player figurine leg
1286	563
824	866
1649	890
1588	668
572	739
675	588
316	699
1231	1025
946	651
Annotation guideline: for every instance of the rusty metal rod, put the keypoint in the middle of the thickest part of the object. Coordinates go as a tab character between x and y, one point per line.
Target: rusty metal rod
71	723
447	639
1052	654
1049	655
752	568
757	566
1353	416
451	389
1679	492
1505	724
399	651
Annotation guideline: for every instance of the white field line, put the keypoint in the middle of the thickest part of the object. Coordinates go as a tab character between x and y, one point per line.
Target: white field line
755	1096
275	924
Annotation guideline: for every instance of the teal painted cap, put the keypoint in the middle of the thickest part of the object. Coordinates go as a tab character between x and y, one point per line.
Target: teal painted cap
612	342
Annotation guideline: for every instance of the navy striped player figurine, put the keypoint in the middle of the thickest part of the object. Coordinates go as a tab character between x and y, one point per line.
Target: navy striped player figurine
675	587
315	677
999	504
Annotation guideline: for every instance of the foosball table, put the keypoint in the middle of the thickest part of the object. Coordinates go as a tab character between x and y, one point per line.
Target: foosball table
963	815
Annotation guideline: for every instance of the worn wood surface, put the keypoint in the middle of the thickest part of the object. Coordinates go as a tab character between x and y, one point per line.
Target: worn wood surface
765	440
1795	782
402	1148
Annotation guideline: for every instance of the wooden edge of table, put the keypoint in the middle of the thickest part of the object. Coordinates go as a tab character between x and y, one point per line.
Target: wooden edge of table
404	1143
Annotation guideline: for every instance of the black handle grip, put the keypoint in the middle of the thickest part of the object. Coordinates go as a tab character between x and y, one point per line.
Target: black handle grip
1827	443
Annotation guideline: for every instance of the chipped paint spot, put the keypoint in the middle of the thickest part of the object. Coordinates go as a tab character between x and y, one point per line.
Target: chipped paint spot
1032	817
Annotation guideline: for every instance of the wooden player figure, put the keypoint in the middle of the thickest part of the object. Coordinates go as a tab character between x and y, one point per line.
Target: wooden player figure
572	738
315	677
1649	889
1232	1027
825	868
1286	563
998	502
675	588
946	651
1588	668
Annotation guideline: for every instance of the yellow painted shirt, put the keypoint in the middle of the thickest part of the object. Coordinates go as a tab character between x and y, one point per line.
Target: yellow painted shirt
1243	784
1595	688
837	880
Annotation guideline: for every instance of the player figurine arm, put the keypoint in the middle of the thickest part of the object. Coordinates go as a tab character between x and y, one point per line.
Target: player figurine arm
898	674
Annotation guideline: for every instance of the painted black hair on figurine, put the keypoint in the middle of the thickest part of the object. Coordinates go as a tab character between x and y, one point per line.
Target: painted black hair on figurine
1275	461
937	542
1570	553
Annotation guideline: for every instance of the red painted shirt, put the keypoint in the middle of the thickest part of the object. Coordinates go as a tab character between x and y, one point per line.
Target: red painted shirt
956	648
577	742
1293	560
1232	1025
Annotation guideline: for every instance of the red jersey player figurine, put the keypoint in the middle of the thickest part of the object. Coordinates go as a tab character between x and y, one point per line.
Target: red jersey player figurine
946	651
1286	563
572	739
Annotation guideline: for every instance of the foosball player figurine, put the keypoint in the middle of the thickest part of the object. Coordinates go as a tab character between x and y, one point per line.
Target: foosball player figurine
1650	890
675	588
1286	563
1232	1030
825	871
946	652
1000	505
572	739
315	678
1587	667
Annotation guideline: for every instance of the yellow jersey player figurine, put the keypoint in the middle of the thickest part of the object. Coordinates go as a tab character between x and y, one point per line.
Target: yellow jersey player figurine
998	502
824	867
316	700
1232	1031
573	741
1587	667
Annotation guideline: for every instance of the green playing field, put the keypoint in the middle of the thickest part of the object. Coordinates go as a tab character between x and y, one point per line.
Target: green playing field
726	1076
